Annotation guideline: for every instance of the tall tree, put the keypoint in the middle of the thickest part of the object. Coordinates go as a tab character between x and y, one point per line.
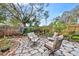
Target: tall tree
2	16
46	16
25	13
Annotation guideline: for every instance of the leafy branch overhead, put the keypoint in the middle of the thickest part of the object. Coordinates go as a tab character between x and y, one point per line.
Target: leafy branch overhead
25	13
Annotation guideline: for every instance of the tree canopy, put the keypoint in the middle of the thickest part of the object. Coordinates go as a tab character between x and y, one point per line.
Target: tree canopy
26	13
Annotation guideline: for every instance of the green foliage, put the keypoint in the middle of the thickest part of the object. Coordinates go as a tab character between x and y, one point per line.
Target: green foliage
2	17
14	22
27	30
75	38
59	26
4	43
43	31
50	34
26	13
72	37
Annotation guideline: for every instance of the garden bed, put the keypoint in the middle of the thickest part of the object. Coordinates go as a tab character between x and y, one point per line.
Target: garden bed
11	50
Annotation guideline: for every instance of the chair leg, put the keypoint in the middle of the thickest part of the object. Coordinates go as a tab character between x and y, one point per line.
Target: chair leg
52	53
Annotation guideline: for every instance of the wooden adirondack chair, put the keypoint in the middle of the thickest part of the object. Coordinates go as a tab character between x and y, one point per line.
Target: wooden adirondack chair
55	45
53	37
34	38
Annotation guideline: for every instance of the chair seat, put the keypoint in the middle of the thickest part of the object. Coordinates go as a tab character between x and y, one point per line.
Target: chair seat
34	39
49	45
56	44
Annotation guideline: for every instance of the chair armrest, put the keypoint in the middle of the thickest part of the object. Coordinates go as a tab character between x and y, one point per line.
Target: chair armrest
50	39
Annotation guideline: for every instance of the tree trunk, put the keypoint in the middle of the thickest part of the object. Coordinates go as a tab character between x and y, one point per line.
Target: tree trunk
24	24
22	27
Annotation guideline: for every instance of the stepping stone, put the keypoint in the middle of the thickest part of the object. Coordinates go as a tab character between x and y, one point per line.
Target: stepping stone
75	53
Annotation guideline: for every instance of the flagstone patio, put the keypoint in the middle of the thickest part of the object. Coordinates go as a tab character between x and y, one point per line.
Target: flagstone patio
67	49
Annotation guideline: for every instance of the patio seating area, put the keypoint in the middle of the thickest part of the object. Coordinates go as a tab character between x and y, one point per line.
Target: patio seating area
67	48
36	29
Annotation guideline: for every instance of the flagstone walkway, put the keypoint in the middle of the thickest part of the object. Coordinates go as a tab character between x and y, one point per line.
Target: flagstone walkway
67	49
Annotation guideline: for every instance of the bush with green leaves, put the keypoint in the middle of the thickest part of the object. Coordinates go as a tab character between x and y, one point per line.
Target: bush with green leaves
44	31
5	43
75	38
59	26
28	29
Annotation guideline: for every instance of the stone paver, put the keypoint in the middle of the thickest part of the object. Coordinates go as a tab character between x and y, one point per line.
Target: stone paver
76	45
34	51
46	53
76	49
67	49
68	45
58	53
18	51
37	54
40	50
67	54
25	51
75	53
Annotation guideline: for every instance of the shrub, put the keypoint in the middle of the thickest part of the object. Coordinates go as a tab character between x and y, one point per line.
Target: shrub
59	26
50	34
28	29
44	31
75	38
5	44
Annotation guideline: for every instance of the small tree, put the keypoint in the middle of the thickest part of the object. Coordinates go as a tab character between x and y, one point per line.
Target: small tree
25	13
